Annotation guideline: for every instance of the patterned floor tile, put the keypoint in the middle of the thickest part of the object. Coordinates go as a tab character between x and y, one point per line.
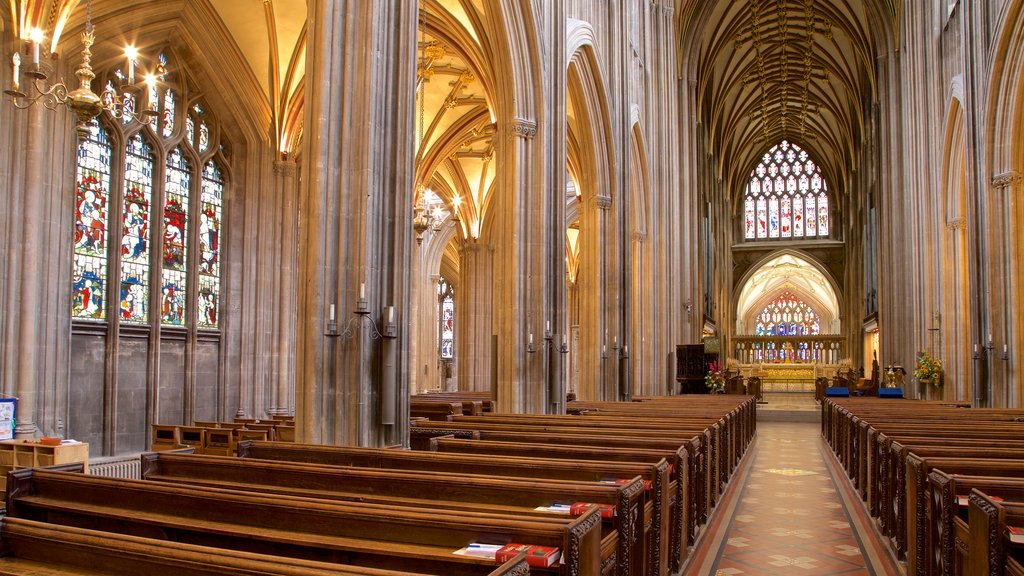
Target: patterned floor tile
789	519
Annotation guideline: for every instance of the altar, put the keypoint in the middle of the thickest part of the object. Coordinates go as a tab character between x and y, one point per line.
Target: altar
788	377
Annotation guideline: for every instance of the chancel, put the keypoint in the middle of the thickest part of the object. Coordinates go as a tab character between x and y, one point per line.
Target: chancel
631	287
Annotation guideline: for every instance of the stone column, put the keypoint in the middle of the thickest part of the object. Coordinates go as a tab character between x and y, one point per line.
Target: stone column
31	245
1001	268
474	315
282	402
515	205
357	241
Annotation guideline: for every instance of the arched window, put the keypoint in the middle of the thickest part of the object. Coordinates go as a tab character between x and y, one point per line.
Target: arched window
166	183
786	197
446	326
788	315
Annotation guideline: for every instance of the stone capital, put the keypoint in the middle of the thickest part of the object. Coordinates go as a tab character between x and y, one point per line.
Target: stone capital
1006	179
285	167
522	128
603	202
957	224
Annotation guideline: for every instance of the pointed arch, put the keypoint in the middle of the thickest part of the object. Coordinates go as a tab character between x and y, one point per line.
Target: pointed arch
792	270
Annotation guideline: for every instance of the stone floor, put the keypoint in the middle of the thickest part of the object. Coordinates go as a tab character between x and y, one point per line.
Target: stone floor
789	511
788	401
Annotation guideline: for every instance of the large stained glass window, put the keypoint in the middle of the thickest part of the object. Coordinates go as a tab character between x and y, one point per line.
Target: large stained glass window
209	245
788	315
446	306
786	197
138	197
92	192
158	255
175	275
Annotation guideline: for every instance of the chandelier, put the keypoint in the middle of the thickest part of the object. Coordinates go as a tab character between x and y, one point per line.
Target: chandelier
85	103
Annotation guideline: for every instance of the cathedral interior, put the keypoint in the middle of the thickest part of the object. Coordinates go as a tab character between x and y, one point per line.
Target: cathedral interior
322	209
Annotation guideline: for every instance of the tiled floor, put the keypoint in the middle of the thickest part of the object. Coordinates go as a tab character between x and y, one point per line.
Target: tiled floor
784	514
789	401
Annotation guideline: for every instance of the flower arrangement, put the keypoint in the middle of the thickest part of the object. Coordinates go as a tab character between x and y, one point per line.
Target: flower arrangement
928	367
715	379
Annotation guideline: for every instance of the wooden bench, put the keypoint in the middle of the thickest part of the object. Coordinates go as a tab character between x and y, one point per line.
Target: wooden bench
390	537
694	492
654	515
949	533
487	403
438	490
41	549
679	537
438	411
990	552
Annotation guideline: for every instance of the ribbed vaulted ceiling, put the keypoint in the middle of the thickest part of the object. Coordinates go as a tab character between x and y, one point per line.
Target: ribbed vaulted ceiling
800	70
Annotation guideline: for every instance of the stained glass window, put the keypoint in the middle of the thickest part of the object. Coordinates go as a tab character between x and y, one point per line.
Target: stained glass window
788	315
446	304
204	136
92	193
786	197
176	192
209	245
168	114
151	277
138	195
128	106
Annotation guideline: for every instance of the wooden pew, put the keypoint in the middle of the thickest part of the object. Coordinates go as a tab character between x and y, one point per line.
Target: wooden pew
487	403
706	480
949	533
389	537
41	549
599	424
917	498
534	468
444	491
165	437
694	492
438	411
990	552
678	520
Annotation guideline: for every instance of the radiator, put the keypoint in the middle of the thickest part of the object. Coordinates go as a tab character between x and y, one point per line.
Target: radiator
116	467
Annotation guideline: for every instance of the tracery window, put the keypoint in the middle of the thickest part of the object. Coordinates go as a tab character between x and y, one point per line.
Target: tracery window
446	326
165	182
788	315
786	197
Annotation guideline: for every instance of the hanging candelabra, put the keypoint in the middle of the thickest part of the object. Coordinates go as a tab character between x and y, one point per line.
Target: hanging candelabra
83	101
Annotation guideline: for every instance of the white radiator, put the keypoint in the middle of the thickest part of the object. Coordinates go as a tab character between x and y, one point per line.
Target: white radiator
116	467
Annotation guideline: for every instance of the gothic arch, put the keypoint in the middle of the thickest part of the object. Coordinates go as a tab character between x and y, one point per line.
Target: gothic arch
644	381
1003	179
955	280
773	274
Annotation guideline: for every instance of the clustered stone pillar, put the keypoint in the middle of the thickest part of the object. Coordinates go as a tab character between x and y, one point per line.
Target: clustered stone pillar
475	314
357	243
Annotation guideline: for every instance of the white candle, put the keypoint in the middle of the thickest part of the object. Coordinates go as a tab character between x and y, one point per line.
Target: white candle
975	348
1005	349
131	53
36	36
16	59
362	290
547	326
332	312
531	338
615	341
990	338
391	314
